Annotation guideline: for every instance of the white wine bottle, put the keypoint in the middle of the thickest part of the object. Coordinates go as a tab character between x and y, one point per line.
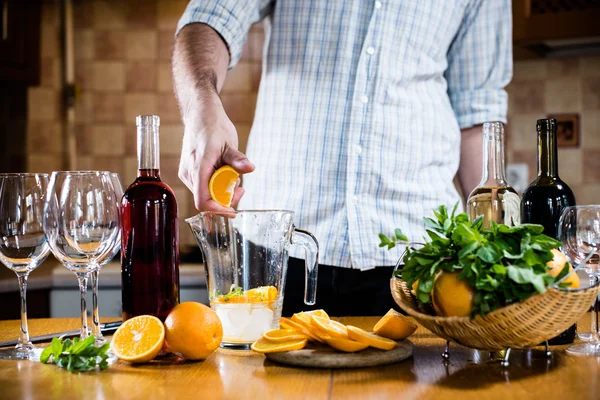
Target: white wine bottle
493	198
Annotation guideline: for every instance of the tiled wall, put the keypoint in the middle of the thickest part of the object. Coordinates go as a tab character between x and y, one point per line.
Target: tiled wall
542	87
44	145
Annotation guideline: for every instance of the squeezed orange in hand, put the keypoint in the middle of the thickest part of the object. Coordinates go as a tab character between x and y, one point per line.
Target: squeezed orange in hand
222	185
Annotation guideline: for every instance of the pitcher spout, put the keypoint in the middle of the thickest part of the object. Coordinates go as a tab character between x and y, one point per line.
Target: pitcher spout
194	223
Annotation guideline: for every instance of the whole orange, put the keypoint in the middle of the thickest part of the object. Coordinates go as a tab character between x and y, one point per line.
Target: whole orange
193	331
556	265
452	297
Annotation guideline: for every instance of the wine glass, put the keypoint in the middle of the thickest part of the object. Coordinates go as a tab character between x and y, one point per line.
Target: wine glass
116	246
23	245
81	222
579	233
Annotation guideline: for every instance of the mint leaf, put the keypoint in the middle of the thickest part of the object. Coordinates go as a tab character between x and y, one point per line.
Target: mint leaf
478	223
46	354
499	269
77	355
82	345
464	234
526	275
489	253
468	249
401	236
57	347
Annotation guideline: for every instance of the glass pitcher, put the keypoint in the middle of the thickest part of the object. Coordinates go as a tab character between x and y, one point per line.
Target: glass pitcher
246	258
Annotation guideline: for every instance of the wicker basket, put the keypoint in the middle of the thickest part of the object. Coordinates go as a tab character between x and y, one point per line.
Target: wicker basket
524	324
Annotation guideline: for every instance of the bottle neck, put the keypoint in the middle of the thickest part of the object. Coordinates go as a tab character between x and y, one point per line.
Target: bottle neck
148	173
494	172
148	150
547	152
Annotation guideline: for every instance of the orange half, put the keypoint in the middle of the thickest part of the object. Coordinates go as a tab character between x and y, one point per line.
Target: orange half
394	325
222	184
139	339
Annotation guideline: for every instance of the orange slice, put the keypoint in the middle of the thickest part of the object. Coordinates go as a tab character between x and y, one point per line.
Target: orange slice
283	335
394	325
370	339
139	339
221	185
263	345
331	328
289	324
303	319
345	345
263	293
318	313
286	323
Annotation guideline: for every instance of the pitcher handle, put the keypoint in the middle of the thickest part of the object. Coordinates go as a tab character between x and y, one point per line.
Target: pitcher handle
307	240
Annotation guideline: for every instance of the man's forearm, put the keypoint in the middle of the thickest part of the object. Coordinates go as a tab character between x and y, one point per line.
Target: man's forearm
200	61
469	170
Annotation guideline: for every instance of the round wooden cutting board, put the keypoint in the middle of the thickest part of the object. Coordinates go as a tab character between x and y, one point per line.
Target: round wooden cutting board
326	357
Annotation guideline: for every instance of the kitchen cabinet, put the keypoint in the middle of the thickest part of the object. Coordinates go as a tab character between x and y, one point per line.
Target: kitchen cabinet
556	27
20	41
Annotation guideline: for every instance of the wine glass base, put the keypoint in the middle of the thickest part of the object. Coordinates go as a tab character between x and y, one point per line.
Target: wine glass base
585	336
21	354
584	349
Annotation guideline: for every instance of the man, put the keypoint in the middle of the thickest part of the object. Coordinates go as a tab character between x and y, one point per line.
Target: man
366	112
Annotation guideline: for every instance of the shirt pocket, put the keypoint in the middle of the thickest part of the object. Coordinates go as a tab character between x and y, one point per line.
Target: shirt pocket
422	32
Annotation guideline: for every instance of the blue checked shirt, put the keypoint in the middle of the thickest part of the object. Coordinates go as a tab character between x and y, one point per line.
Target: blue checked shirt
360	106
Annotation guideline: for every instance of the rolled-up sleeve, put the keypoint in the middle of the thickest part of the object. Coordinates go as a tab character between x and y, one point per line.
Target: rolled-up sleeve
230	18
480	63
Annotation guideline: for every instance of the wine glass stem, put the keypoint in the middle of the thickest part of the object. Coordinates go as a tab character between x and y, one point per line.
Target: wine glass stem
95	313
24	333
595	335
83	278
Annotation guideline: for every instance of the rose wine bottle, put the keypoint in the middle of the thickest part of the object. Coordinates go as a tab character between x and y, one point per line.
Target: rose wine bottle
546	197
493	197
149	233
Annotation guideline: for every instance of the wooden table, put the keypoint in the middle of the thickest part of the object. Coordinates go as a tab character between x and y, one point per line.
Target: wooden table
244	375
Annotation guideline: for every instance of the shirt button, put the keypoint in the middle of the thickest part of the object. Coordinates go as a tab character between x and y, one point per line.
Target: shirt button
355	199
364	99
377	4
370	50
357	149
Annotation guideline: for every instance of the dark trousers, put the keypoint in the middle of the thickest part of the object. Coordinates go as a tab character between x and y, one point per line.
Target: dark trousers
340	291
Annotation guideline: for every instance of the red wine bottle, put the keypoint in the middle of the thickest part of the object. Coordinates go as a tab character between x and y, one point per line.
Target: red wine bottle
149	233
545	198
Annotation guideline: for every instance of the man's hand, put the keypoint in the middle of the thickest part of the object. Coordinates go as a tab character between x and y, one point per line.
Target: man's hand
200	61
209	143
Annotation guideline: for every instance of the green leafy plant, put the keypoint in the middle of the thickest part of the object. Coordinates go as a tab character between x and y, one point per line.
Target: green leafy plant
76	355
503	264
